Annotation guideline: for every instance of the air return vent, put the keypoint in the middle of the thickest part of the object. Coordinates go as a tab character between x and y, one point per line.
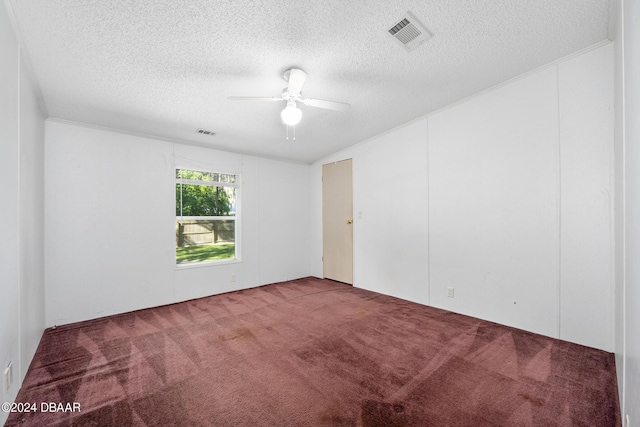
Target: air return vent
205	132
409	32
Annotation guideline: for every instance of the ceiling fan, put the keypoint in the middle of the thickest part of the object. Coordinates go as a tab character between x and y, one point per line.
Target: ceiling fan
291	115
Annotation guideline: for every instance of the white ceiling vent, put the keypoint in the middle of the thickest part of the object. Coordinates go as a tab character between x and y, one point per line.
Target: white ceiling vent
205	132
409	32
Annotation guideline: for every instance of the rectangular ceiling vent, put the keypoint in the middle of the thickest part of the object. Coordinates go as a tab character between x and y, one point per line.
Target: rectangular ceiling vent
205	132
409	32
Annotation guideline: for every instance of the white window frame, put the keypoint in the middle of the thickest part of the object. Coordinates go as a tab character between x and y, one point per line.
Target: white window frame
236	217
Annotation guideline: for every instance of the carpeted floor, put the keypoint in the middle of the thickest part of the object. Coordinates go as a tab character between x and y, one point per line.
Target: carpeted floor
312	352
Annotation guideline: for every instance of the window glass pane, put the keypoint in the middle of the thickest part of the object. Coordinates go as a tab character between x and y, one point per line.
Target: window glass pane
205	176
231	197
196	175
205	240
202	200
227	178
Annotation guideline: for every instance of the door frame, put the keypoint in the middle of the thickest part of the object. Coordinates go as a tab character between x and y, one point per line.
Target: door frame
349	221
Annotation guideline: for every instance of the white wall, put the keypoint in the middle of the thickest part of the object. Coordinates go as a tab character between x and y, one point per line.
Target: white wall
494	197
587	198
619	208
632	211
200	281
9	208
275	224
390	225
390	195
110	224
619	201
283	205
627	36
31	221
21	212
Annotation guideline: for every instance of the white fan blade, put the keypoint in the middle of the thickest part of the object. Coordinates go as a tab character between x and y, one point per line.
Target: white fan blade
252	98
329	105
296	80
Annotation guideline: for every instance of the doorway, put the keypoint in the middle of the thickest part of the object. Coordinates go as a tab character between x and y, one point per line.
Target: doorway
337	221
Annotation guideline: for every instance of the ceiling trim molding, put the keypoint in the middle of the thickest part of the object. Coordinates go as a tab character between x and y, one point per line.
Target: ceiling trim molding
469	98
170	140
522	76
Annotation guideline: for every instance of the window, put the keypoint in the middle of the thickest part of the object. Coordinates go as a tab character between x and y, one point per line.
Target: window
206	222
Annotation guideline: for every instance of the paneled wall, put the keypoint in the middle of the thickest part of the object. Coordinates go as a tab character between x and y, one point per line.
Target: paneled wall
627	160
494	203
21	212
110	223
9	211
505	197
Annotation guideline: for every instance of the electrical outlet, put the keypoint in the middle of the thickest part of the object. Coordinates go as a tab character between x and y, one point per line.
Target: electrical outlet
8	377
450	292
233	277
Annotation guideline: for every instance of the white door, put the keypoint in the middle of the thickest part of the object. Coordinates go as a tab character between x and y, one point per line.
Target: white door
337	221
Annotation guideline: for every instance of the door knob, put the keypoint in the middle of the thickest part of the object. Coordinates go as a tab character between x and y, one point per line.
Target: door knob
349	221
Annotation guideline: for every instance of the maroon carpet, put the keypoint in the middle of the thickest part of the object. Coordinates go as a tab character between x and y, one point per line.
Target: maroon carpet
312	352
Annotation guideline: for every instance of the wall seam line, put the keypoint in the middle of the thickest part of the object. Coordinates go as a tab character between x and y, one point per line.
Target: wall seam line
559	210
20	222
428	217
624	208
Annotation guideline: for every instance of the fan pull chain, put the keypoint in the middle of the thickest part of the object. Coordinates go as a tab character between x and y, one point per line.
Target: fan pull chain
294	133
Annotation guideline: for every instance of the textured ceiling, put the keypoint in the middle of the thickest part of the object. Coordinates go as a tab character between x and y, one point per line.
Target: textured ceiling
165	68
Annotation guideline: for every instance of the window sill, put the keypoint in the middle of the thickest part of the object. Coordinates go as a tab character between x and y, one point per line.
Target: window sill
189	265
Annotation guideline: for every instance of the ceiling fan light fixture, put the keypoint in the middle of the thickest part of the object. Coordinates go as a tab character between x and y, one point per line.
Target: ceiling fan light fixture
291	115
